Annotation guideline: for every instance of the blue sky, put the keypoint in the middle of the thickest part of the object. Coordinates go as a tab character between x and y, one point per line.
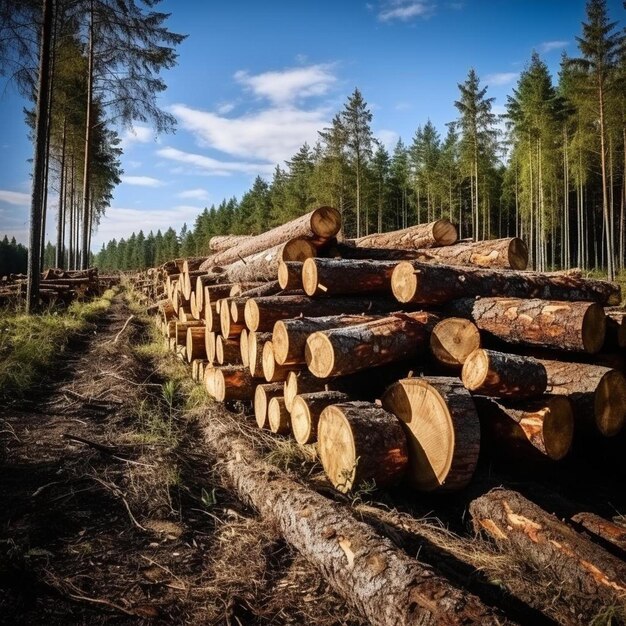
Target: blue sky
255	80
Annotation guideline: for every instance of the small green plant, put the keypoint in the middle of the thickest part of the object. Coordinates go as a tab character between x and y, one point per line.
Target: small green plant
168	391
208	498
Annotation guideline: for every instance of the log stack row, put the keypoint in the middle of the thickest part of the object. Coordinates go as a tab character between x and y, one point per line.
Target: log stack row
399	355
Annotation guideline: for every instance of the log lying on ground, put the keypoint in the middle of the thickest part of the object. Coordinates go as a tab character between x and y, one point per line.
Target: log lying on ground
606	530
554	550
359	441
597	393
278	418
206	292
545	425
256	341
551	324
616	328
424	283
262	396
438	233
181	331
290	275
227	351
210	345
442	429
298	383
320	224
452	340
501	375
230	382
386	586
272	371
306	410
341	351
219	243
195	343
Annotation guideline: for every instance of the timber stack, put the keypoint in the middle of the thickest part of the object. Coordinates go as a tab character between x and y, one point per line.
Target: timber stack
400	355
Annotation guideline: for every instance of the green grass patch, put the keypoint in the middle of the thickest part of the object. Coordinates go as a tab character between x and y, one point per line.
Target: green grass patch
31	344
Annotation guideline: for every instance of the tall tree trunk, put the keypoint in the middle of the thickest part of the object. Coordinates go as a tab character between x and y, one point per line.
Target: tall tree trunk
622	217
61	211
610	269
42	129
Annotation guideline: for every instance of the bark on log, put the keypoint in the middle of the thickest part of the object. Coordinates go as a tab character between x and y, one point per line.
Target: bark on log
424	283
545	425
322	223
306	410
359	441
256	341
341	351
598	394
228	327
219	243
278	418
608	531
230	382
452	340
442	429
290	275
385	585
492	373
266	289
438	233
206	292
227	351
555	551
195	343
262	396
562	325
298	383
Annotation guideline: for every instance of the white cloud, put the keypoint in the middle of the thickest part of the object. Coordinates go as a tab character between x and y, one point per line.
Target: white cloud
137	134
389	138
142	181
548	46
14	197
501	78
215	167
198	194
404	10
225	108
285	86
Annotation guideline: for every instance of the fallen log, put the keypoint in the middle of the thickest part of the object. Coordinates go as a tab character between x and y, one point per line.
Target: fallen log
424	283
608	531
452	340
438	233
278	418
195	343
262	396
272	371
219	243
231	382
227	351
306	410
256	342
442	430
290	275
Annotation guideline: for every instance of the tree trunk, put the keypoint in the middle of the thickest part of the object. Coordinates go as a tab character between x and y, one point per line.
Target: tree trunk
272	372
227	351
230	382
452	340
195	343
612	533
438	233
262	396
306	410
423	283
59	260
278	418
256	341
290	275
220	243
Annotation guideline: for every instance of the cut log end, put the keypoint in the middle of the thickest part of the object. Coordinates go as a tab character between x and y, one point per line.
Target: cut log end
453	340
309	277
557	427
325	222
320	355
404	282
278	416
280	340
610	403
475	370
251	315
290	275
444	232
518	254
593	328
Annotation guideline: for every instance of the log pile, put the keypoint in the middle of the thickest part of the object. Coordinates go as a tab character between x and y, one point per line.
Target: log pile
399	354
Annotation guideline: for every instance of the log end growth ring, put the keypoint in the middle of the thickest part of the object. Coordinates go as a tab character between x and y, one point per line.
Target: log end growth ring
610	403
309	277
558	427
475	369
518	254
320	355
336	448
301	421
594	328
444	232
453	339
404	281
280	340
325	221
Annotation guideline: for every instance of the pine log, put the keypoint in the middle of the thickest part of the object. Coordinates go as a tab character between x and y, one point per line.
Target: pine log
256	341
184	312
195	343
211	316
492	373
210	345
289	336
330	277
192	264
239	288
228	326
262	313
341	351
227	351
424	283
358	442
452	340
166	310
244	351
298	383
278	418
187	282
181	331
438	233
219	243
384	584
616	328
264	289
544	425
306	410
232	382
608	531
562	325
442	429
552	549
348	250
205	287
597	393
262	396
272	371
321	224
237	308
290	275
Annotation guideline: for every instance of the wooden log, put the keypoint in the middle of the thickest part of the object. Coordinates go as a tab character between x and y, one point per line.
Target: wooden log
501	375
341	351
290	275
306	410
424	283
616	328
553	550
262	396
608	531
228	326
219	243
322	223
192	264
262	313
442	429
210	345
438	233
544	425
237	309
358	442
244	351
272	371
289	336
181	331
562	325
187	282
211	316
278	418
298	383
232	382
238	288
452	340
597	393
256	341
330	277
210	292
227	351
384	584
195	343
265	289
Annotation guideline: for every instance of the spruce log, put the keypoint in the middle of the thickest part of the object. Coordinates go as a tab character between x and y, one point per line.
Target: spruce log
298	383
492	373
256	341
195	343
341	351
452	340
554	550
597	393
278	418
330	277
608	531
616	328
306	410
210	345
562	325
181	331
264	289
438	233
359	441
424	283
219	243
321	224
442	429
228	326
272	371
227	351
262	396
244	351
289	335
545	425
232	382
290	275
384	584
206	292
211	316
